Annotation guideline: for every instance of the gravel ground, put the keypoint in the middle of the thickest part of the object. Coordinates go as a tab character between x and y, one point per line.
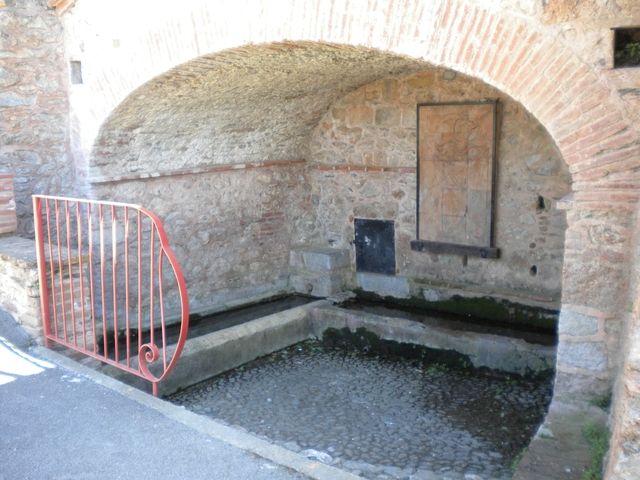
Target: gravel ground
379	417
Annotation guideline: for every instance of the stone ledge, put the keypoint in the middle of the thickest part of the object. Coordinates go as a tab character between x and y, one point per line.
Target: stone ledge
559	449
227	167
18	251
319	259
320	284
384	285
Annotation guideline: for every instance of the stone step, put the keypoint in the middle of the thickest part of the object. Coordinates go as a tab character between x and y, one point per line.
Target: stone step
319	259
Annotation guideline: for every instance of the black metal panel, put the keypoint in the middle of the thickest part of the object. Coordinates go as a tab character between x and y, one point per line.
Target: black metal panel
375	246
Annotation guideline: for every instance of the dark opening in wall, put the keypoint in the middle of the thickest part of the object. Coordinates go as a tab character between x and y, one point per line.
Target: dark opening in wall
375	246
626	47
76	72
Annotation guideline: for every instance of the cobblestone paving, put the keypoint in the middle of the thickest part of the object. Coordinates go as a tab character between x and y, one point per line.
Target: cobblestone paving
379	417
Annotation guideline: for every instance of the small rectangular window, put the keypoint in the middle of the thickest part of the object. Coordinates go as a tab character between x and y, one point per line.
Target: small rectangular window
76	72
626	47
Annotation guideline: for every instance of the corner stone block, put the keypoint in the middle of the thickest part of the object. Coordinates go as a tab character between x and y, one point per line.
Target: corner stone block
319	259
577	324
319	285
585	355
384	285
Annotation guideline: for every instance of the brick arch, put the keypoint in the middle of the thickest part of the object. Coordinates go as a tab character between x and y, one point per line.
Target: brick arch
582	114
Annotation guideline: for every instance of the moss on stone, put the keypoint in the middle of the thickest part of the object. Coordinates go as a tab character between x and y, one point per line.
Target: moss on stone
368	342
487	308
597	436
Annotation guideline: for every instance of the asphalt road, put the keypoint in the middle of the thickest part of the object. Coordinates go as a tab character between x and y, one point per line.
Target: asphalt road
57	424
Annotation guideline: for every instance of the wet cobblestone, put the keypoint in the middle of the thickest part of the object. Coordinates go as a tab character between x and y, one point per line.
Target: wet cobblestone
383	418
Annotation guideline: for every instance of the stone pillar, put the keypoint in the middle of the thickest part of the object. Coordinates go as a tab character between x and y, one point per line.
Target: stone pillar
594	296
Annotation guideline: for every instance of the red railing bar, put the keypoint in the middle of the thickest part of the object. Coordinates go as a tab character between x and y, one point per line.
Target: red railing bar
114	278
184	303
102	358
147	353
59	248
139	227
50	263
103	298
151	305
42	268
162	323
67	219
94	202
91	286
81	270
126	283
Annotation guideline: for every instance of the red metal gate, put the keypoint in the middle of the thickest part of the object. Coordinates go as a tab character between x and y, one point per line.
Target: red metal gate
104	290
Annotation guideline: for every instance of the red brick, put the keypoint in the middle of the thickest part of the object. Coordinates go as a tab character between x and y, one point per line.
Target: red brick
474	48
481	41
588	139
461	54
619	161
544	55
564	80
544	87
449	32
488	45
520	55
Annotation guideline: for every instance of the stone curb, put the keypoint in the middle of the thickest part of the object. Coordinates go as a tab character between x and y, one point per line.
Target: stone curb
237	438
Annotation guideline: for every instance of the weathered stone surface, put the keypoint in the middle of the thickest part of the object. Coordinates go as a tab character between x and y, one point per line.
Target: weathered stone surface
576	324
584	33
7	78
318	259
13	100
34	105
484	350
231	231
228	116
8	220
20	295
320	271
526	235
320	284
585	355
384	285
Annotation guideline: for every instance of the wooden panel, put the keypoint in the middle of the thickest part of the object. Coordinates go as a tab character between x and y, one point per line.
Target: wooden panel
455	163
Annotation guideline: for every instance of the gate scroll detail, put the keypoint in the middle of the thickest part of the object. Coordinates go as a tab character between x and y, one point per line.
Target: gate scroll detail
104	288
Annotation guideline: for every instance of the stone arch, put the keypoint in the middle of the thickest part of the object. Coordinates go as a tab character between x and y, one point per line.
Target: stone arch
582	114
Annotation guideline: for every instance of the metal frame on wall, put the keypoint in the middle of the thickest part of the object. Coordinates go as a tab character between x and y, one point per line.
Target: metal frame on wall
483	251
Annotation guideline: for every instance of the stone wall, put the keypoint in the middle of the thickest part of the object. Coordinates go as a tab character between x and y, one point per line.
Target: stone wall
363	164
624	454
253	104
231	230
20	293
554	57
34	108
8	220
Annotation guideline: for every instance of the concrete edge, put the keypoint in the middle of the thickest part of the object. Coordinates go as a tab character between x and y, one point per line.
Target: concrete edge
432	336
232	436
